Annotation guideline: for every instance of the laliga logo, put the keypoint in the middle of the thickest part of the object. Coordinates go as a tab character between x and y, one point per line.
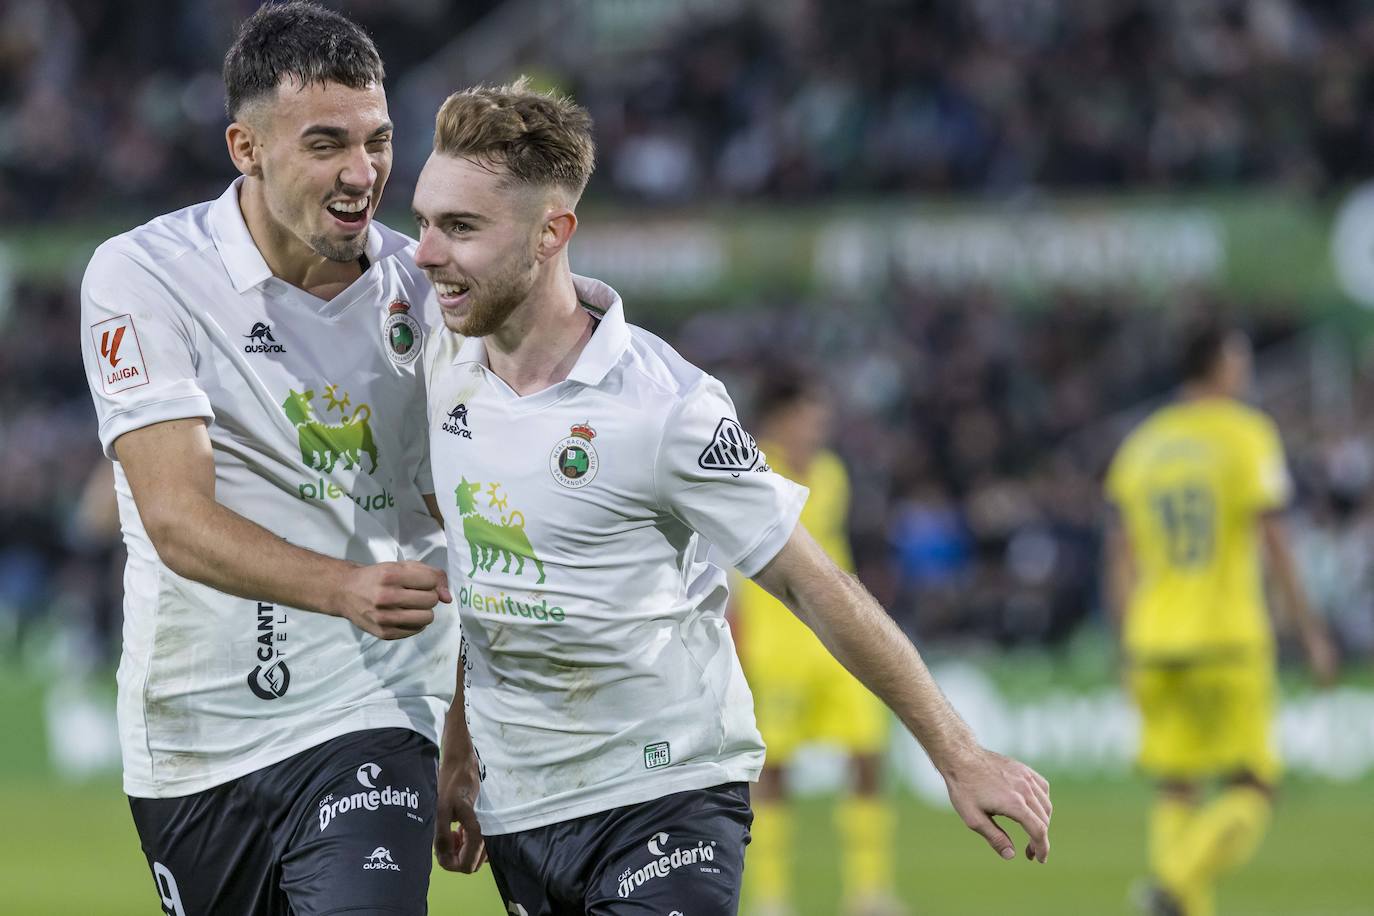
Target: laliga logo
368	772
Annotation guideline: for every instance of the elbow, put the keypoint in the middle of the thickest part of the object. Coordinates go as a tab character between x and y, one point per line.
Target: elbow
169	539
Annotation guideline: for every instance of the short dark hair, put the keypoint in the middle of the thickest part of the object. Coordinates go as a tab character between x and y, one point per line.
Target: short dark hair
782	386
301	41
1202	347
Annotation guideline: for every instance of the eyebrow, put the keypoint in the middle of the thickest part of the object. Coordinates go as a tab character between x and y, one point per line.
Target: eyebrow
453	216
339	133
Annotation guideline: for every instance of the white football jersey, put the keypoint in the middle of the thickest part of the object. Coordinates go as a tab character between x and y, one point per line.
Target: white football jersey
599	668
315	414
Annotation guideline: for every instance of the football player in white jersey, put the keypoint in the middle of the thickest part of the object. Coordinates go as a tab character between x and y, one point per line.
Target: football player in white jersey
253	363
590	479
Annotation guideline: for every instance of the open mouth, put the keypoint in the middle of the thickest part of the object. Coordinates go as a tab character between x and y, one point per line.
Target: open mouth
450	293
349	211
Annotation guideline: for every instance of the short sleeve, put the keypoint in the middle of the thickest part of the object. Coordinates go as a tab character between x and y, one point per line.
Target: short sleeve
710	474
1266	471
137	347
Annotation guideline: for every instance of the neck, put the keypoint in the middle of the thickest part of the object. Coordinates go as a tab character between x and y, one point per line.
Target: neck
540	342
287	256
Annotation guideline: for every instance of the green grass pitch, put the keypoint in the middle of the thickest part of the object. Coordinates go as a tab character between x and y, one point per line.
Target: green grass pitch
70	850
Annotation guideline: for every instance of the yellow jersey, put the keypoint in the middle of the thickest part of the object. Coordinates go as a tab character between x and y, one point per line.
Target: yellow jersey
825	515
1191	483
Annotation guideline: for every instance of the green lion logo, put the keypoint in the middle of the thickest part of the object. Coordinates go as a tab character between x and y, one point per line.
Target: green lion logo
490	541
324	444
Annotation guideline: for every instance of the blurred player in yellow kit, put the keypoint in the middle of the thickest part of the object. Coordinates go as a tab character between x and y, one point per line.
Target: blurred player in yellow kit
1197	489
801	693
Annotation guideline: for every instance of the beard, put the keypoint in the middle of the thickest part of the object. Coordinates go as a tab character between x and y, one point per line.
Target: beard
494	302
341	250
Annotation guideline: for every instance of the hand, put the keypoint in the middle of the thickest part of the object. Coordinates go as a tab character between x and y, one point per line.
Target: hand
461	850
392	600
1321	655
985	784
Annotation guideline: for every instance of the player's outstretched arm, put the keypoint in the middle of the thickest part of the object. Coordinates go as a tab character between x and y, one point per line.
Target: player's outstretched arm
860	634
1321	652
463	849
171	472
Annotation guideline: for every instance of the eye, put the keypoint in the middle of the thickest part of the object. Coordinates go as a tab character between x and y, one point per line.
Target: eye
460	228
323	147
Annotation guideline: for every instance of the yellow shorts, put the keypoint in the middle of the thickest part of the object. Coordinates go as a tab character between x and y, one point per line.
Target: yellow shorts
802	695
1206	718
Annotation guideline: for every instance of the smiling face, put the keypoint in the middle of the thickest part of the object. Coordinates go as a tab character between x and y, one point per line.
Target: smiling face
479	240
322	153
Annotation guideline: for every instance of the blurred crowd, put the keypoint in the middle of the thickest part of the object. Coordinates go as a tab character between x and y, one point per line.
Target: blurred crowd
734	98
976	433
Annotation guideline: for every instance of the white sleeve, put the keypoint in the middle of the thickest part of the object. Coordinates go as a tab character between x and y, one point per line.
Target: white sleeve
137	346
710	474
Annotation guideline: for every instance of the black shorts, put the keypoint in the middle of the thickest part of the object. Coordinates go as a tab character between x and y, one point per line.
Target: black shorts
683	854
345	827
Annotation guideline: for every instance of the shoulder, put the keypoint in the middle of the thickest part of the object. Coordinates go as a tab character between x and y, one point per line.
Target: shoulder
655	367
152	247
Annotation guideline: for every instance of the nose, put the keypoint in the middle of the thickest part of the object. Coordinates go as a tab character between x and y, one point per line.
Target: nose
359	172
429	253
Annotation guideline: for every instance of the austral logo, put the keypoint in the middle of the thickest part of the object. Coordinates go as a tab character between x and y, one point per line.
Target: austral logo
380	860
262	340
731	449
271	678
457	422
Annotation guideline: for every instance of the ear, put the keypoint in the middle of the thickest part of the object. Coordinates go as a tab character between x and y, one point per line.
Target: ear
559	226
245	148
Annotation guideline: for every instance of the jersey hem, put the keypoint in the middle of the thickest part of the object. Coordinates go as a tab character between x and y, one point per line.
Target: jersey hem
701	776
172	788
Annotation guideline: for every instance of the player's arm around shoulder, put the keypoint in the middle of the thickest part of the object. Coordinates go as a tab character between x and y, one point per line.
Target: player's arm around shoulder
860	634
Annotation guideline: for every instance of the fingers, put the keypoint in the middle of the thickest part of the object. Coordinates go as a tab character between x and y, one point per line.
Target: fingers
996	837
445	594
1037	829
401	624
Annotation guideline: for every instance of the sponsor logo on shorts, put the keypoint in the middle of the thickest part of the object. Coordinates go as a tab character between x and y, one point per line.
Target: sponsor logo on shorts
366	773
664	864
380	860
371	800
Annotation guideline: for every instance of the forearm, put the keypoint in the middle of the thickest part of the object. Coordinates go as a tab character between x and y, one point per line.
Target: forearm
863	638
1284	572
216	546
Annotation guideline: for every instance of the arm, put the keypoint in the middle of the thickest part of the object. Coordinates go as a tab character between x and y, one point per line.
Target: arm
461	850
860	634
1293	598
171	471
1121	571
